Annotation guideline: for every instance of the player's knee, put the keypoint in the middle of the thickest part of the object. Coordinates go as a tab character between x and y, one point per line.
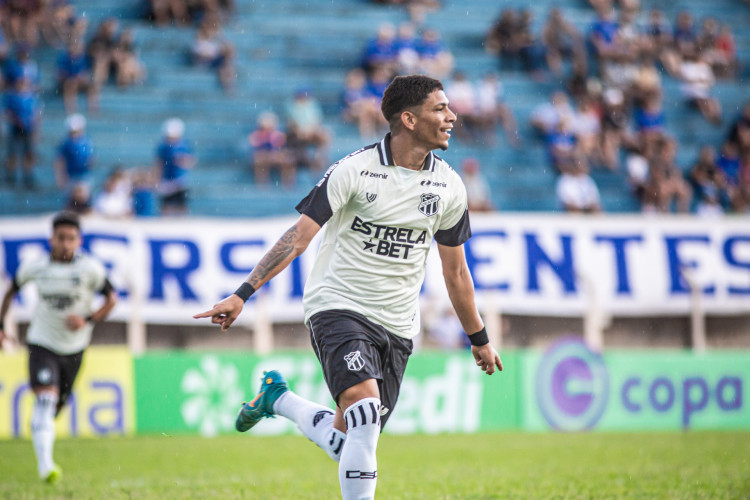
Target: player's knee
358	392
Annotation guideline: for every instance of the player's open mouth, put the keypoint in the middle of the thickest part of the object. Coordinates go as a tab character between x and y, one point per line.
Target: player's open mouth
447	131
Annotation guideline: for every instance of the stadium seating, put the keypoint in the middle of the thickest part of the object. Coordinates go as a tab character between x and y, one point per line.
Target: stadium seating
285	44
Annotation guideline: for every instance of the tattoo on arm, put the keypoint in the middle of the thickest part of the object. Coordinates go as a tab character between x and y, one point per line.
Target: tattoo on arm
264	271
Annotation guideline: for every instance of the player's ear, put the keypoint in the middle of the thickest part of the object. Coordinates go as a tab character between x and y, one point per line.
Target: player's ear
408	120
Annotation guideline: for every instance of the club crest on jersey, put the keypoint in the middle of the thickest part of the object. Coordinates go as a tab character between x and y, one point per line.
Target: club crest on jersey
428	204
371	197
354	361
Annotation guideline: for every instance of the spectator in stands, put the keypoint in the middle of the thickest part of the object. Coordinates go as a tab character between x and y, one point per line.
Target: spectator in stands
560	39
115	201
212	51
144	195
684	42
491	110
380	51
477	187
649	122
405	46
614	127
434	58
637	168
79	200
57	22
376	85
577	191
500	39
646	85
666	184
698	79
101	50
164	11
587	127
129	69
75	157
741	196
530	50
739	132
657	36
563	147
709	183
269	151
724	61
174	160
22	66
462	95
4	46
361	106
729	164
74	75
603	31
23	20
23	114
546	116
305	130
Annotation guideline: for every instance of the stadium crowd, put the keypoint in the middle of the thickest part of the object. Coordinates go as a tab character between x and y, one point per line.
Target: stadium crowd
607	113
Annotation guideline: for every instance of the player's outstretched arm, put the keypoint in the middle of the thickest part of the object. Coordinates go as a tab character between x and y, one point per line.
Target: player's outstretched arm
461	293
291	244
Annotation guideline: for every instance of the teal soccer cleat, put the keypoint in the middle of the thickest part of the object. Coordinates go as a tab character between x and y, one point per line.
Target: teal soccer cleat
272	386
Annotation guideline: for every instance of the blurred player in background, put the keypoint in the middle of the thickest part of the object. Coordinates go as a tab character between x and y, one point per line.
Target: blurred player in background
60	329
382	206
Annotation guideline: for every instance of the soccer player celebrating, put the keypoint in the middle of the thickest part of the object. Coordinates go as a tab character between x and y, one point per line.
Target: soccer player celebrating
381	206
60	329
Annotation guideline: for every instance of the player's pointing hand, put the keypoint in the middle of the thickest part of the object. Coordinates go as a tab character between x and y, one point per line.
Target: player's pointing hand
487	358
225	312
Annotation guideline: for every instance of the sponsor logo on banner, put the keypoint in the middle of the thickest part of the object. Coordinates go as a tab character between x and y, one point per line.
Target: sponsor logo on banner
576	389
212	393
101	402
572	386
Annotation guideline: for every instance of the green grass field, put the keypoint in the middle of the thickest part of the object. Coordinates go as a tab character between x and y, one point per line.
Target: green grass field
713	465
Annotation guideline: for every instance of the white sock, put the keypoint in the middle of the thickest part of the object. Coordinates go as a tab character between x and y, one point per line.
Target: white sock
43	431
358	467
314	421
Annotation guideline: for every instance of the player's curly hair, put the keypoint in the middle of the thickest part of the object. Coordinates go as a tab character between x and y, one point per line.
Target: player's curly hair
405	92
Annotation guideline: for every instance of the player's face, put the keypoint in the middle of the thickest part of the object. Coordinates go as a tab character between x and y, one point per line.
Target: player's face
435	121
64	242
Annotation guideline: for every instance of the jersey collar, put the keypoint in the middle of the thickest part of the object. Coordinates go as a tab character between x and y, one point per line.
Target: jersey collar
386	158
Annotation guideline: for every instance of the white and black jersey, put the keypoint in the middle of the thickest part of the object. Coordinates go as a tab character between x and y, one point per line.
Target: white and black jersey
64	288
380	221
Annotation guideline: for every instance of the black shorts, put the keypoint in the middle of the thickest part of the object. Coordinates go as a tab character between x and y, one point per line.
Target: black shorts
352	349
49	368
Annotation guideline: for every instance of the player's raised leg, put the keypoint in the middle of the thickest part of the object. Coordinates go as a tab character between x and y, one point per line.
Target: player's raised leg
315	421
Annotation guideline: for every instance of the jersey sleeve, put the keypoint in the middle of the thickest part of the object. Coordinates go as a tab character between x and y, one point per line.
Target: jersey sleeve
96	275
23	275
454	229
329	195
